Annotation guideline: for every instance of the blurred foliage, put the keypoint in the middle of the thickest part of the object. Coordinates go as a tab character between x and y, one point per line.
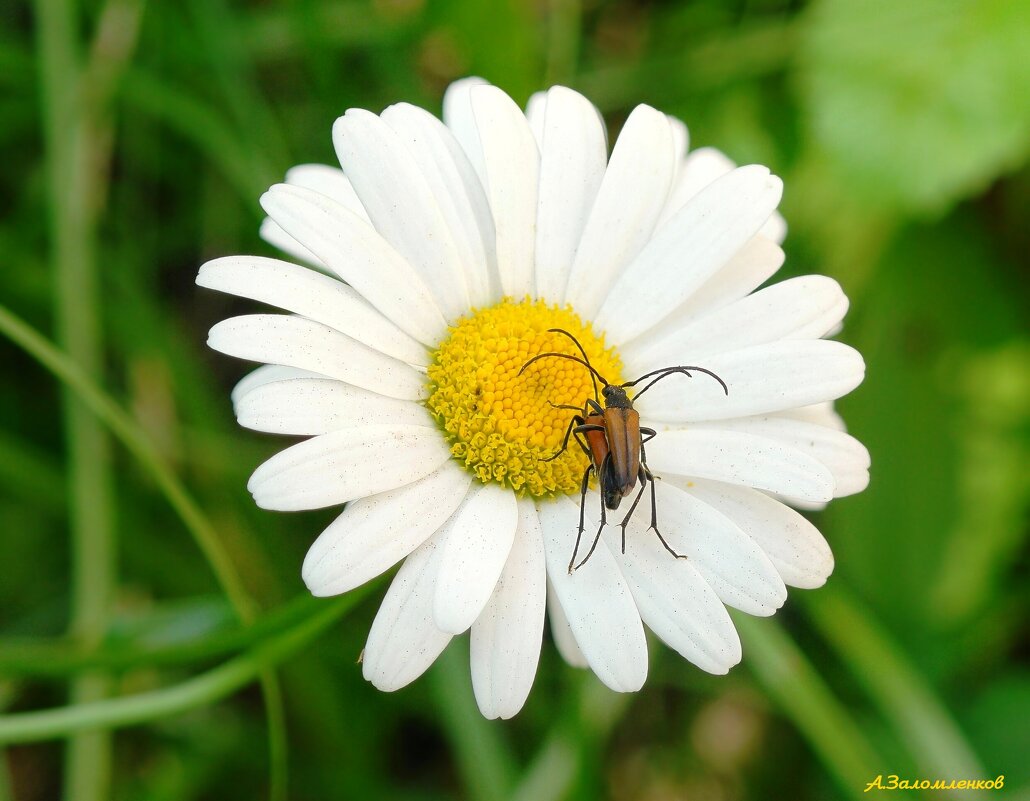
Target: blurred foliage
137	142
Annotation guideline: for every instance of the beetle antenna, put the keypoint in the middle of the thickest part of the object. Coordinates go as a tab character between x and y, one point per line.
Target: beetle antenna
667	371
568	356
585	357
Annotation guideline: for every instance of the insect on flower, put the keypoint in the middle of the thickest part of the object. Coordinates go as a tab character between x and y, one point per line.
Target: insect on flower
613	439
444	255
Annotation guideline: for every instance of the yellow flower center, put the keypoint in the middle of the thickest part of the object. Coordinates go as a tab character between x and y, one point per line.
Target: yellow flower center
502	426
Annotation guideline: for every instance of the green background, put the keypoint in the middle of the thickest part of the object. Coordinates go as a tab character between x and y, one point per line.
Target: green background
136	141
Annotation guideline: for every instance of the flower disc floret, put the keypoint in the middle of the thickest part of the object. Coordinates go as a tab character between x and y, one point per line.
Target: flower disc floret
503	426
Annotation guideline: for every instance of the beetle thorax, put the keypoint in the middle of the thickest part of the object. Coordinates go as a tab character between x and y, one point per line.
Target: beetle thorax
615	397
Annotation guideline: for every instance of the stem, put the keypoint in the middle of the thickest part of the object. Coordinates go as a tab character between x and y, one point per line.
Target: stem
87	763
564	23
582	726
33	657
483	760
923	722
205	689
126	430
205	127
794	684
204	534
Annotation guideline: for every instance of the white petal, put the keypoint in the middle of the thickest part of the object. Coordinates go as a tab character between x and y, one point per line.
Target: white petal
511	169
775	228
573	156
844	456
309	406
749	268
302	343
536	109
799	308
267	374
628	203
680	140
676	602
275	236
794	546
347	464
475	542
561	631
740	458
596	600
457	115
403	641
681	607
765	378
362	258
401	205
331	182
822	414
506	637
376	532
730	561
312	295
701	168
699	240
457	189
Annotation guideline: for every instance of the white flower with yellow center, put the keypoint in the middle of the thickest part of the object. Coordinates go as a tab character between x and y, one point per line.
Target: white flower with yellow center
444	253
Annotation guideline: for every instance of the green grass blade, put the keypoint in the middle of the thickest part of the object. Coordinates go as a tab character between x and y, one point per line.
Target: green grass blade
25	727
796	687
72	187
204	534
482	757
902	695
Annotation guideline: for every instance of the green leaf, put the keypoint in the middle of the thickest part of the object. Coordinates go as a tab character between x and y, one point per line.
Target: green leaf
918	103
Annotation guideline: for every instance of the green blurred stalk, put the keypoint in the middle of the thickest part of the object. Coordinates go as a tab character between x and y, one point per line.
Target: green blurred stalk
232	72
136	442
483	759
564	22
202	690
796	687
582	726
747	51
207	128
88	758
6	790
34	657
902	694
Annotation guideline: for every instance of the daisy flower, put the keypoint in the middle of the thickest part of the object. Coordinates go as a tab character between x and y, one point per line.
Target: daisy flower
438	259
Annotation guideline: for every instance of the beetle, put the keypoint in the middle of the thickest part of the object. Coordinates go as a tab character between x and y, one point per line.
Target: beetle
613	439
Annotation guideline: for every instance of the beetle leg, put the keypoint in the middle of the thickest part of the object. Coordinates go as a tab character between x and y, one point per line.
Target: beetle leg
604	520
564	406
625	521
576	420
654	505
651	434
582	508
579	441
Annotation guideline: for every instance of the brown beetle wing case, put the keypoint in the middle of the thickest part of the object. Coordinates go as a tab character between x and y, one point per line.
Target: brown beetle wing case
622	427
